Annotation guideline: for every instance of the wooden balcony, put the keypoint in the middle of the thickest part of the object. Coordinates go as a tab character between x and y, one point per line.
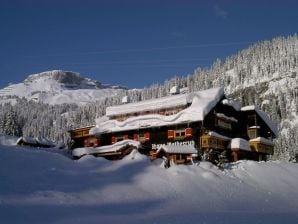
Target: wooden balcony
261	147
79	133
212	142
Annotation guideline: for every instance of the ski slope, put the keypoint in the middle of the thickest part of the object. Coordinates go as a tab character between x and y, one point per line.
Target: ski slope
44	186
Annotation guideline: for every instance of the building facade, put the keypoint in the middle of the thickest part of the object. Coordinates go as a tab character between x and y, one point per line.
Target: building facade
181	128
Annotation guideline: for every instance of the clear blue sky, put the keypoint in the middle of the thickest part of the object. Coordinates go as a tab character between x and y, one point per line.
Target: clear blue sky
132	42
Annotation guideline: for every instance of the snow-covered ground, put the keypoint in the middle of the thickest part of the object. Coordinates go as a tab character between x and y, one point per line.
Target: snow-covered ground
39	186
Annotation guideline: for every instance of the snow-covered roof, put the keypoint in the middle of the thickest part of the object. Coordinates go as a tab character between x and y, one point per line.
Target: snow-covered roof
174	90
215	134
254	127
233	103
45	142
262	140
78	152
150	105
125	99
179	149
35	141
264	116
28	140
221	115
202	103
239	143
80	128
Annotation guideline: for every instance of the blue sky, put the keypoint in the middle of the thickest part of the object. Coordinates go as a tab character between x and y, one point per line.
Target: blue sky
132	42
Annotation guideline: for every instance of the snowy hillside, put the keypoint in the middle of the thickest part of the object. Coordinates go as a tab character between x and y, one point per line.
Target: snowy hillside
46	187
265	74
57	87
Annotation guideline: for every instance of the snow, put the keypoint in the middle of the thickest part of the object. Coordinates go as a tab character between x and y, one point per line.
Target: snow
44	187
233	103
125	99
174	90
239	143
262	140
45	142
78	152
27	140
248	108
201	104
58	87
8	140
215	134
180	149
149	105
221	115
264	116
34	141
254	127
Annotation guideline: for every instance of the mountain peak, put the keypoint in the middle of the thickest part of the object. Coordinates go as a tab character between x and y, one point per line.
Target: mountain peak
58	86
67	79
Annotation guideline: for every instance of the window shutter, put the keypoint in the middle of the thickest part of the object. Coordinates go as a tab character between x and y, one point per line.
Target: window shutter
114	140
147	136
170	134
188	132
136	137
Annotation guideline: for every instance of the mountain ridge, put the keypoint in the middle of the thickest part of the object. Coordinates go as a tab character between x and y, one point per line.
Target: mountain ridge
58	86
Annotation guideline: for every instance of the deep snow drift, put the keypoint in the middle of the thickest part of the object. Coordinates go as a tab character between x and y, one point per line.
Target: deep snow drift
39	186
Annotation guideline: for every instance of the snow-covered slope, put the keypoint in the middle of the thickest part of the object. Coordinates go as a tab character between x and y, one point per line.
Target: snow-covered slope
265	75
57	87
44	187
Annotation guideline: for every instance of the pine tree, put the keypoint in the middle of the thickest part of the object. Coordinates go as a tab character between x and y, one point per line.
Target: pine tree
11	126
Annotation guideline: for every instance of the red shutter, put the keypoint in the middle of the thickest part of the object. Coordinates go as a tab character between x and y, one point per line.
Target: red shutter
170	134
136	137
86	143
114	140
147	136
188	132
95	142
125	136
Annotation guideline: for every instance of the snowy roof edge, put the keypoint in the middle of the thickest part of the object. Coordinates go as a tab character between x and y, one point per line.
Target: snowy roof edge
202	104
155	104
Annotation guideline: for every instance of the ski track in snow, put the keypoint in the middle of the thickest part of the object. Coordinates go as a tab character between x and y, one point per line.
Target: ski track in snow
40	186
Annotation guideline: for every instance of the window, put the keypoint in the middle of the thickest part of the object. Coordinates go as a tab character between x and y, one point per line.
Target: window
223	124
252	133
179	134
86	132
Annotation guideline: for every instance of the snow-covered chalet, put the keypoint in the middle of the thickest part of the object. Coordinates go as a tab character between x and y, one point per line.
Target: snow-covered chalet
180	128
